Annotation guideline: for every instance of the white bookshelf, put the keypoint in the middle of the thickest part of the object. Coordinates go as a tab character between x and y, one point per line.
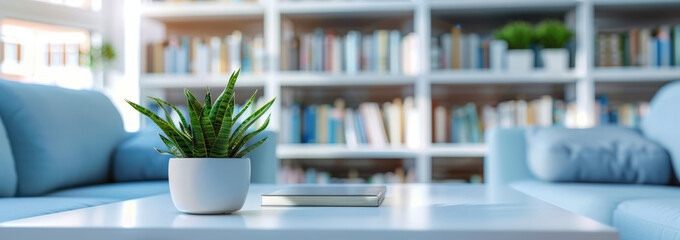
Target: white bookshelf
581	80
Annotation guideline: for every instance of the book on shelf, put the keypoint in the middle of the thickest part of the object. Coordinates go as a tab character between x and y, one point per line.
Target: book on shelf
325	50
643	47
466	123
459	50
626	114
206	54
394	124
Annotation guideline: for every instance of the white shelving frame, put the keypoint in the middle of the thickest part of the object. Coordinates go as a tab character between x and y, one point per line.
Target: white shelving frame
583	76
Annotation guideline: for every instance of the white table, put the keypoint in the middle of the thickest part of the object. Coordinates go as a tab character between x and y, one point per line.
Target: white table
411	211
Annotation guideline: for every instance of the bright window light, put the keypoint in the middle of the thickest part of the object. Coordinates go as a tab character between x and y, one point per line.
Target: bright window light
45	54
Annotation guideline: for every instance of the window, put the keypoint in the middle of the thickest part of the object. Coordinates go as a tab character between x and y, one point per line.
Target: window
46	54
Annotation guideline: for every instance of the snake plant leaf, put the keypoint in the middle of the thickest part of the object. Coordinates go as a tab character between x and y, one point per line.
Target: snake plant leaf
183	121
193	103
198	141
208	99
220	99
242	141
163	152
168	119
252	98
251	148
172	146
221	147
240	131
220	107
181	141
208	130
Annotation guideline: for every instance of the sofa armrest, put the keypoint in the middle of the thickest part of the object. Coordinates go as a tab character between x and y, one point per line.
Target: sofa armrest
505	160
136	160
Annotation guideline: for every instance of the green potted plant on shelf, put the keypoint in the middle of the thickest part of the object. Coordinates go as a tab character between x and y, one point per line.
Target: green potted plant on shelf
519	36
209	174
553	36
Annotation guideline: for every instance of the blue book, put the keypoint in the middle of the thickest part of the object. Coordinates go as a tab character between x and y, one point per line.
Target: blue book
474	133
310	175
359	123
330	126
309	127
295	123
604	109
246	62
183	58
318	48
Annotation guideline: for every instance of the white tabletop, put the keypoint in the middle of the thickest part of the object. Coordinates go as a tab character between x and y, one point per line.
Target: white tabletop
410	211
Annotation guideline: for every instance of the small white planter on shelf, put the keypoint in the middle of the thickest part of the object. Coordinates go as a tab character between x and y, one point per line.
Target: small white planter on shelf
555	59
520	60
209	185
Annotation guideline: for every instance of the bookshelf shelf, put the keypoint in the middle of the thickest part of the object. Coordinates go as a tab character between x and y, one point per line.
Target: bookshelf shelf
291	79
173	11
339	151
491	77
346	7
163	81
636	74
457	150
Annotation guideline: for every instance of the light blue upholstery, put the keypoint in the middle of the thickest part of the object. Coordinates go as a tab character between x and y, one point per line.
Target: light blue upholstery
118	191
23	207
60	137
136	160
662	123
596	201
8	174
605	154
506	158
263	161
657	219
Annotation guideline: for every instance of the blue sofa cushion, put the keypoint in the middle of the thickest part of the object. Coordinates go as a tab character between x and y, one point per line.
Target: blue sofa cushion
596	201
136	160
8	174
648	219
661	123
118	191
60	137
23	207
601	154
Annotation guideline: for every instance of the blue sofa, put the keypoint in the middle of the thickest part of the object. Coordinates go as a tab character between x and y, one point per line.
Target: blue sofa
63	149
638	211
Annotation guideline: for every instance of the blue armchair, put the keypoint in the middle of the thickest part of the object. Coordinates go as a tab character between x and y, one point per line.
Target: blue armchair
637	211
63	149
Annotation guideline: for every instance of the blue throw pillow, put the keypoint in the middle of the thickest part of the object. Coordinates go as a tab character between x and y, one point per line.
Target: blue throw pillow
8	174
136	160
662	124
607	154
60	137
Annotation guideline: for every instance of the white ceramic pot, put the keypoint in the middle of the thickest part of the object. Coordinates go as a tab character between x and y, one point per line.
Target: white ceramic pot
209	185
555	59
520	60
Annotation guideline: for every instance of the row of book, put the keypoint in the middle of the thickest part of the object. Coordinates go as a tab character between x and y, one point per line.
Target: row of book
207	55
456	50
466	124
298	175
223	1
627	114
324	50
394	124
647	47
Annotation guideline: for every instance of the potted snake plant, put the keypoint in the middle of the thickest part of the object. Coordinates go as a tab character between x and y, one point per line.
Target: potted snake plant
209	173
553	36
519	36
